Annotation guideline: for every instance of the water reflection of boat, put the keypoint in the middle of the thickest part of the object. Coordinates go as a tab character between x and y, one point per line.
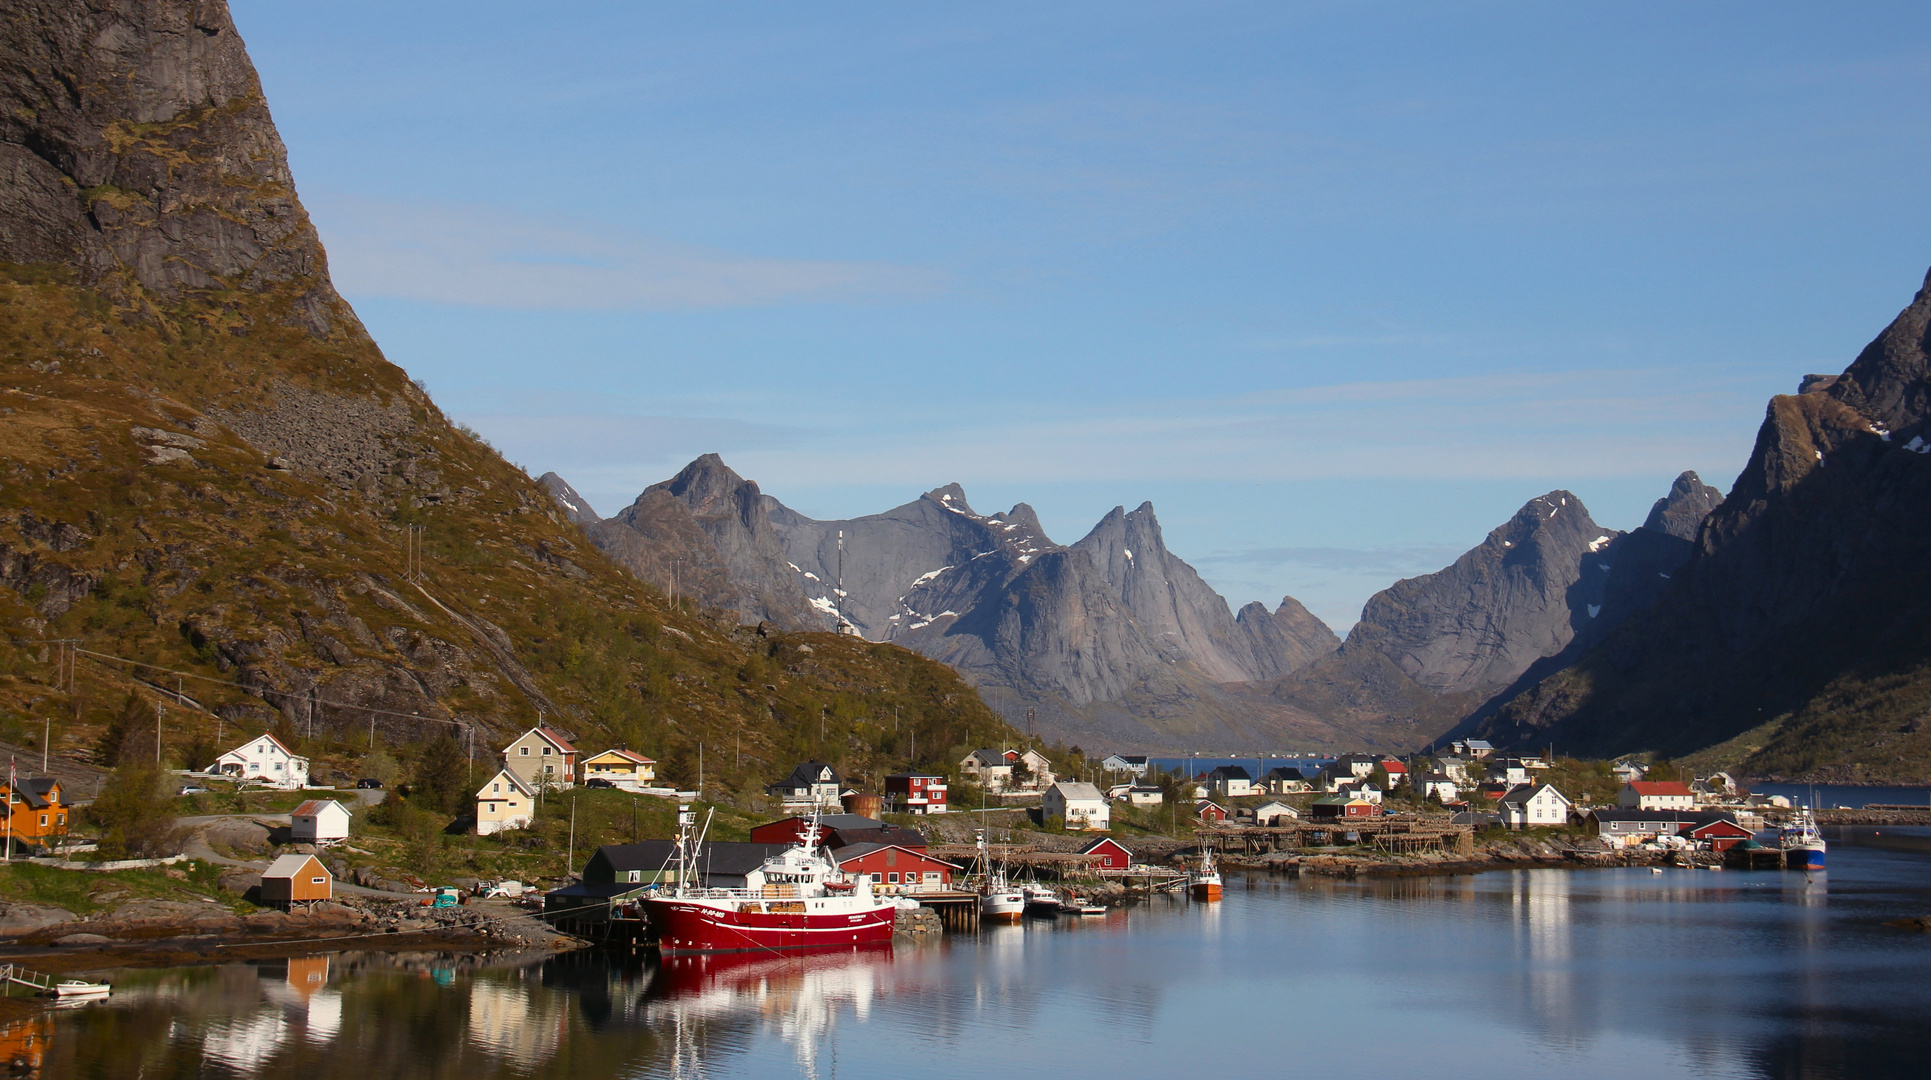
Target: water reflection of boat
1803	845
801	995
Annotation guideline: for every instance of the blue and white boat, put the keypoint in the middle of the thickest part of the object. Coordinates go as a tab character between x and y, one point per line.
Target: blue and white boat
1803	846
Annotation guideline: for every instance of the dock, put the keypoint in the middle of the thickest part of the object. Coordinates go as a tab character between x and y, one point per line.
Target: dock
1396	834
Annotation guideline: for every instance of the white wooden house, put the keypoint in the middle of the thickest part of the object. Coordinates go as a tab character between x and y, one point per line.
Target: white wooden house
1528	805
1275	812
264	760
319	821
1080	805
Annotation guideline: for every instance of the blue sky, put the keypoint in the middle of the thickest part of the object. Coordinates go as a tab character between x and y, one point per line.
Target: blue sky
1338	286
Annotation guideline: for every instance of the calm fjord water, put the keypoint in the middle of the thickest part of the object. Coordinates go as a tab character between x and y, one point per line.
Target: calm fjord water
1541	973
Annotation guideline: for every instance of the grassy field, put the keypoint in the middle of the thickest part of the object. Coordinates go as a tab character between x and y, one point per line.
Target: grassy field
85	892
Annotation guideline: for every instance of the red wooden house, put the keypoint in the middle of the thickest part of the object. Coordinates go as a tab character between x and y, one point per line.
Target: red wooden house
1209	812
1721	834
1112	855
895	869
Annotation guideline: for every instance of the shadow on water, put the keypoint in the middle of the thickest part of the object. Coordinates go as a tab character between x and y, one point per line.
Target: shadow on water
1605	973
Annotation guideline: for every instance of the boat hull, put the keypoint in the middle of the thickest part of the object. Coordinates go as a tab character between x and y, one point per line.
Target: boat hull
1804	858
1204	890
1002	907
691	926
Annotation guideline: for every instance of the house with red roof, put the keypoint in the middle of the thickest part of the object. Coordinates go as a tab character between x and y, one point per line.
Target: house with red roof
1112	855
542	757
319	821
1656	795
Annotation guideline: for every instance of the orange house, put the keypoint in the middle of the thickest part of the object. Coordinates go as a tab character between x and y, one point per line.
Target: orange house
295	879
34	812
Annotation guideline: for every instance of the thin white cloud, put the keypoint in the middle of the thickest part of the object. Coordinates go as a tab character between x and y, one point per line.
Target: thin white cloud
485	257
1581	425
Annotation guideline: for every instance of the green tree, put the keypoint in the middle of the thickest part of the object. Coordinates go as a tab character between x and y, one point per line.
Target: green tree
135	814
439	781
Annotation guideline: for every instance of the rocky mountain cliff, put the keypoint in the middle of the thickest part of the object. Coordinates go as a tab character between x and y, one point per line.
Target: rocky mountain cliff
707	534
1798	628
1111	638
207	467
1530	598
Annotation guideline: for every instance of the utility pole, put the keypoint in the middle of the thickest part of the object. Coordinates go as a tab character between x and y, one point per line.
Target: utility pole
44	740
160	714
700	770
570	858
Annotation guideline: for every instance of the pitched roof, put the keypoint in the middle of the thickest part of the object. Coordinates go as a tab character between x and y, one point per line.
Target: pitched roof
1130	759
715	857
556	737
315	806
866	847
1283	772
1102	842
1231	772
1076	789
1522	793
628	755
1660	787
1391	766
1699	816
264	735
287	866
516	784
806	774
988	757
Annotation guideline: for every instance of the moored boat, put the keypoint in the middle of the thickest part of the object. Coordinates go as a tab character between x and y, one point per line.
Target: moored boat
1803	846
999	900
1204	882
796	900
1041	901
80	988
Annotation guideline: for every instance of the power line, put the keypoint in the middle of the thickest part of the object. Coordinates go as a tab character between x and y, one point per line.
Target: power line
252	690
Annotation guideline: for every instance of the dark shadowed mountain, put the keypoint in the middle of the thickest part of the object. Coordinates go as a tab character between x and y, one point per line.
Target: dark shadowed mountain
1800	626
1437	648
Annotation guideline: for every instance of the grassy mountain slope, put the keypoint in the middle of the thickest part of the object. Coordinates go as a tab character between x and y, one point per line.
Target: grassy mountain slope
207	466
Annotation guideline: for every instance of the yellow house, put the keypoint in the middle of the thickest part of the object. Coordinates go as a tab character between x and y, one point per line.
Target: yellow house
624	768
505	802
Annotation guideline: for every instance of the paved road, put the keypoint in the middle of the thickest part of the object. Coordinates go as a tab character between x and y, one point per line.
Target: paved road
197	847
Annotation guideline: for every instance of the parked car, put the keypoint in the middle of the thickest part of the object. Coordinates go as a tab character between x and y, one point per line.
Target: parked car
598	781
369	782
193	789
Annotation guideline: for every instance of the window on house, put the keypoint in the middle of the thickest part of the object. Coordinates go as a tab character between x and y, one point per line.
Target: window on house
932	875
892	878
546	751
60	819
318	881
876	878
43	821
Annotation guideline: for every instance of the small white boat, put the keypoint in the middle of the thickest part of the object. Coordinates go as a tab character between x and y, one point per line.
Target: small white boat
79	988
1087	907
1042	901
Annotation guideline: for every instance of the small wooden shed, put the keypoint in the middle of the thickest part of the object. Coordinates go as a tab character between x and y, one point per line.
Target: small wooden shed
319	821
296	879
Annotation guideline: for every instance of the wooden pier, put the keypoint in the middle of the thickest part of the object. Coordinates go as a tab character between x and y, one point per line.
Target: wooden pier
958	911
1402	834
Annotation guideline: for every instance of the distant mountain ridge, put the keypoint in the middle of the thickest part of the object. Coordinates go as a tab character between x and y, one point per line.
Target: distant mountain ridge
1062	630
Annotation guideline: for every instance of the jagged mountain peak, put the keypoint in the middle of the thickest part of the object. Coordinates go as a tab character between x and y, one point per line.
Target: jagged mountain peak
952	497
1025	518
1890	381
576	508
706	485
1681	512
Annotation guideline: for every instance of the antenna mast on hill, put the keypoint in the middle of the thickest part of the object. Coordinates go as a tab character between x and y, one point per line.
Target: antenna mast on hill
838	591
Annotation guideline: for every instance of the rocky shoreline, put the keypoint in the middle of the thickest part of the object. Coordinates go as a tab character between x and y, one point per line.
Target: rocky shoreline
1522	854
162	932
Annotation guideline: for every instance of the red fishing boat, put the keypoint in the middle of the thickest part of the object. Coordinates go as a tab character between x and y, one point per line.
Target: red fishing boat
797	900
